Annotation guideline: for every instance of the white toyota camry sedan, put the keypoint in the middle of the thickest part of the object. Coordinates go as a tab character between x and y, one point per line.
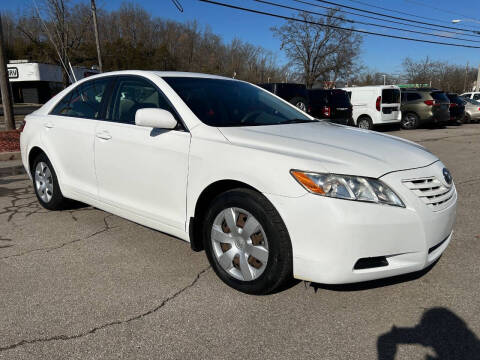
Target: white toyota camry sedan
266	190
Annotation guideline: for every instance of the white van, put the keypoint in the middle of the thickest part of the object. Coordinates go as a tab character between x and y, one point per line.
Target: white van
375	105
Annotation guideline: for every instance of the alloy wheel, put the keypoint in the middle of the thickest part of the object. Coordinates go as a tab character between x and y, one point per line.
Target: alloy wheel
409	121
239	244
301	105
43	182
363	124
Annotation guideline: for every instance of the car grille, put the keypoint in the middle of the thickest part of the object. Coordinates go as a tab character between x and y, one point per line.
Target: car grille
431	191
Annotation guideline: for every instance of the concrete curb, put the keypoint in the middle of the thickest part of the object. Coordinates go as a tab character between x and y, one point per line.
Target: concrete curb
13	155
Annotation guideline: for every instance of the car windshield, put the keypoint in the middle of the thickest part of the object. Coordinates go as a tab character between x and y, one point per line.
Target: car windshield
473	102
223	102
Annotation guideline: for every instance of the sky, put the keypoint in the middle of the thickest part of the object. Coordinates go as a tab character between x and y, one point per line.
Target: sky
378	54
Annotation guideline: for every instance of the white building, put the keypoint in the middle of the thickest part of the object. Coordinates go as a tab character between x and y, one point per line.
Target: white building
37	83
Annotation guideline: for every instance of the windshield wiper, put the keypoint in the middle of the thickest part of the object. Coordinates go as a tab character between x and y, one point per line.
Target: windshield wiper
298	121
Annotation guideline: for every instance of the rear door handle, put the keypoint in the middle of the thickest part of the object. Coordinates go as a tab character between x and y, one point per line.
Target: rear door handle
103	135
48	125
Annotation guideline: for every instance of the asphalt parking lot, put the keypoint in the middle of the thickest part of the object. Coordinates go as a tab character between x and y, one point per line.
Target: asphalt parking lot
84	284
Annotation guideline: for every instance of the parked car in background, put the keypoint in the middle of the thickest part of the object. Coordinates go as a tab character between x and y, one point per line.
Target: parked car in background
424	105
295	94
375	105
331	104
475	95
457	108
472	110
268	191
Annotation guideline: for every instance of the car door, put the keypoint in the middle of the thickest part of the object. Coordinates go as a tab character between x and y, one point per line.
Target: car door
141	169
69	135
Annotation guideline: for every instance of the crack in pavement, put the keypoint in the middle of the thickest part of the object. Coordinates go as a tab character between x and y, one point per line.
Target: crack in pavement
109	324
107	227
5	246
31	207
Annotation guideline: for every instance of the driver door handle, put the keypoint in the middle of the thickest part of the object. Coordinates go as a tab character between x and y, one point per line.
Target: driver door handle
103	135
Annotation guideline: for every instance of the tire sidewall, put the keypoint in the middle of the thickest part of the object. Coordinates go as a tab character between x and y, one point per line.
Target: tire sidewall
366	120
416	121
276	258
297	100
57	199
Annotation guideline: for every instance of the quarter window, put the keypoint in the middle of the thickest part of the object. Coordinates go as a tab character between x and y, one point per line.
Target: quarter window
133	94
83	101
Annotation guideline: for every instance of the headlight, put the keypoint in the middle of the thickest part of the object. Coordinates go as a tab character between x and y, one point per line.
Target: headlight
347	187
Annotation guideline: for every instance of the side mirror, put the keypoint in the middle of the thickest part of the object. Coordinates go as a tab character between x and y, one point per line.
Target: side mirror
155	118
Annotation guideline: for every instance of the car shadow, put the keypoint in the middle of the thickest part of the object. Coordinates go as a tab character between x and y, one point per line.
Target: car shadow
439	329
373	284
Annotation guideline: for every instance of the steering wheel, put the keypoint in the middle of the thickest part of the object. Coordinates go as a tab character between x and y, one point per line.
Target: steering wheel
249	115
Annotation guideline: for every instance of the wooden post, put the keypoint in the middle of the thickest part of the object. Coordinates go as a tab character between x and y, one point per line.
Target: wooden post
5	86
97	38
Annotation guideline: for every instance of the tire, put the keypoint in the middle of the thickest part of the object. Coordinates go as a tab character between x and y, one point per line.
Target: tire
45	184
410	121
270	240
467	119
364	122
300	103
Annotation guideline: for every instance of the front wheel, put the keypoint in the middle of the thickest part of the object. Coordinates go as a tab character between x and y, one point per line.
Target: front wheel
45	184
247	242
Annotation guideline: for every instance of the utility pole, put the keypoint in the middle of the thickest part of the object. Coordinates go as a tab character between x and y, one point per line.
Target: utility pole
5	86
465	80
97	39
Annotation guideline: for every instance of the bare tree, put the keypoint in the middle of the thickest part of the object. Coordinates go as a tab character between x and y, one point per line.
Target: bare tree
317	50
440	74
133	39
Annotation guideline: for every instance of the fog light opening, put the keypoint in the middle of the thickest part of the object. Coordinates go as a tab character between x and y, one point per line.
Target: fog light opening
370	262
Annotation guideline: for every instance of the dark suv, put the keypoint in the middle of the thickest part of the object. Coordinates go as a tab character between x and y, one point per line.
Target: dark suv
457	108
331	104
424	105
295	94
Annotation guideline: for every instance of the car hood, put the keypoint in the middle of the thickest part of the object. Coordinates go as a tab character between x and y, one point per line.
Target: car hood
333	148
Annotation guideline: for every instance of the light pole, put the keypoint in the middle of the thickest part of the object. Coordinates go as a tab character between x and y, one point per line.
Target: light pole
384	79
456	21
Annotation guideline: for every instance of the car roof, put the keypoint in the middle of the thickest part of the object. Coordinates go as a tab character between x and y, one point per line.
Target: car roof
161	74
371	87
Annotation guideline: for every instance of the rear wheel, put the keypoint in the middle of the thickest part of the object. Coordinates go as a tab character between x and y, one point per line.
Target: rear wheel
410	121
364	122
45	184
247	242
300	103
467	119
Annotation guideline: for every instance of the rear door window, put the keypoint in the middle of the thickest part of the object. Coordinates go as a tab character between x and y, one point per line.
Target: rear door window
84	101
476	97
390	96
413	96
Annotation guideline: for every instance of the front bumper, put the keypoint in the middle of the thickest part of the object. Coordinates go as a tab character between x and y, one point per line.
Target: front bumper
330	235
